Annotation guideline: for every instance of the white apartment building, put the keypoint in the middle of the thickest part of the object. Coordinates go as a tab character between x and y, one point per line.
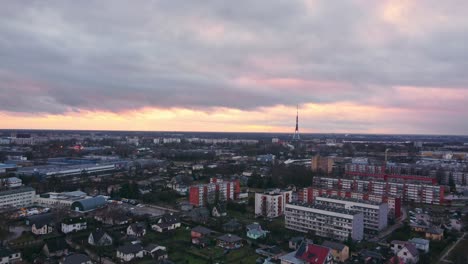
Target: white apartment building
325	221
375	214
271	203
20	197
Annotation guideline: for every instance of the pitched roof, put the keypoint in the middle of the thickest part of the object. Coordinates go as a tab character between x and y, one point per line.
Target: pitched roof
98	234
56	244
202	230
130	248
333	245
76	258
412	249
254	226
138	228
40	220
5	252
314	254
230	238
73	220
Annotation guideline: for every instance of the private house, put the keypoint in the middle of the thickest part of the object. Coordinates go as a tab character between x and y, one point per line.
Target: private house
295	242
157	252
8	256
232	226
166	223
435	233
229	241
397	245
219	210
73	224
271	252
200	236
420	244
41	224
76	258
55	247
255	231
308	253
100	238
409	254
128	252
111	216
136	229
339	251
199	215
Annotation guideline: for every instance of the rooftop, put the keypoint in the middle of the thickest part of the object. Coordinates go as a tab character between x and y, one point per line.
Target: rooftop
17	190
335	197
325	208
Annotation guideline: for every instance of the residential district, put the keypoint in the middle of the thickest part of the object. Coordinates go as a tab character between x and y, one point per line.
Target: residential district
81	197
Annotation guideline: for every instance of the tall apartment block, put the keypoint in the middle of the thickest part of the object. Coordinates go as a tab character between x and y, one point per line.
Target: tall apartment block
325	221
308	195
409	190
322	164
375	214
203	194
271	203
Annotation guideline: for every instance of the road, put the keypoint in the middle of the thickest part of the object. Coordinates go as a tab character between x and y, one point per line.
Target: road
382	235
442	259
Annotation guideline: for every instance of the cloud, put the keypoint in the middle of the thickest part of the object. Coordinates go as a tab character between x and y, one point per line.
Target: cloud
64	57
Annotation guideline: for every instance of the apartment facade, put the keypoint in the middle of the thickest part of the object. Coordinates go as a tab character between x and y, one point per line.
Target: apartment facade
325	221
308	195
202	194
20	197
410	191
375	214
271	203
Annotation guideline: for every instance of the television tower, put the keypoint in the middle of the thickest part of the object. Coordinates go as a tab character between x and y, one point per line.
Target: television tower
296	131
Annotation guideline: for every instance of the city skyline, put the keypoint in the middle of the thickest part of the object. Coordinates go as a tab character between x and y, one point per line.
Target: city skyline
387	67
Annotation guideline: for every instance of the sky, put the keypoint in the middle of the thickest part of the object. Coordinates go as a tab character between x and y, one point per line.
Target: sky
351	66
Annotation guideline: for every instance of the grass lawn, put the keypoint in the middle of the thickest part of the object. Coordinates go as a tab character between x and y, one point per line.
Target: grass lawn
459	251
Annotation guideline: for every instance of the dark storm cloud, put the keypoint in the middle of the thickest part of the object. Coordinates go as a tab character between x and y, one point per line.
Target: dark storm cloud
60	56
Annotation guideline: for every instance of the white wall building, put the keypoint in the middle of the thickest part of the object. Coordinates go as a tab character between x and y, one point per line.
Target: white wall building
73	224
375	214
21	197
271	203
325	221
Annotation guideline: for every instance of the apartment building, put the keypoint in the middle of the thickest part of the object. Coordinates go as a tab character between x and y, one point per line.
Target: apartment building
322	164
271	203
375	214
20	197
202	194
410	191
307	195
325	221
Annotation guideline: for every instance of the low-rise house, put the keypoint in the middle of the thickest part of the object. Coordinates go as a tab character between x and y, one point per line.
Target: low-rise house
166	222
111	215
55	247
339	251
136	229
73	224
219	210
232	226
395	260
435	233
157	252
200	236
369	256
397	245
229	241
8	256
199	215
409	254
128	252
420	243
308	253
100	238
41	224
271	252
255	231
295	242
76	258
419	226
